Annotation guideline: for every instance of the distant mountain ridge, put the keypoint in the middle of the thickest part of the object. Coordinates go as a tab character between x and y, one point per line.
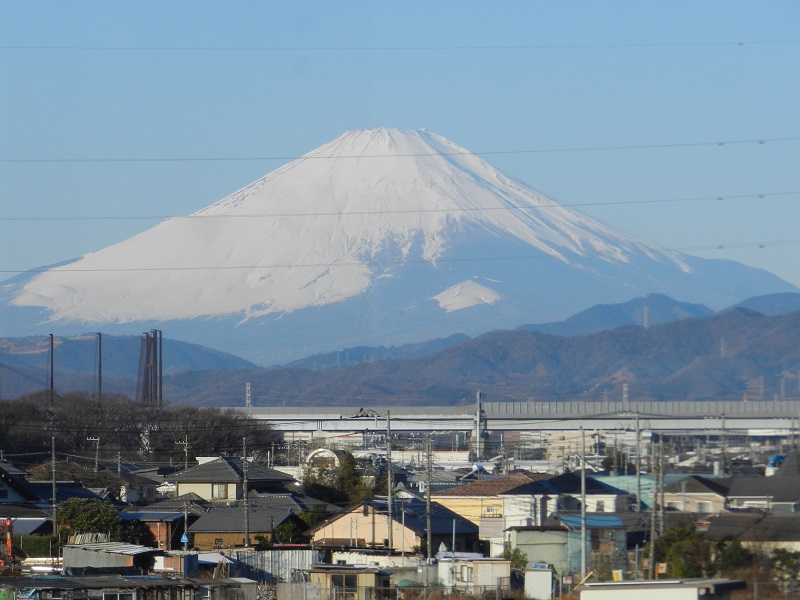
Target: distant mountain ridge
733	353
24	363
653	309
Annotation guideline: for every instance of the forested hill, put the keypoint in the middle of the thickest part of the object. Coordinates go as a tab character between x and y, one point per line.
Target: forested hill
734	355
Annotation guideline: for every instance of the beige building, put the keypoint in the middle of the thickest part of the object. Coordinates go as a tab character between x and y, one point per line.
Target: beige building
367	525
222	479
347	582
696	494
481	499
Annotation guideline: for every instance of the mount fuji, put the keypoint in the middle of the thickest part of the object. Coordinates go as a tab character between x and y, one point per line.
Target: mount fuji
379	237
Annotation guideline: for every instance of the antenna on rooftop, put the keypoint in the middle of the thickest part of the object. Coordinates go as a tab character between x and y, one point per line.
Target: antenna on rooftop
248	400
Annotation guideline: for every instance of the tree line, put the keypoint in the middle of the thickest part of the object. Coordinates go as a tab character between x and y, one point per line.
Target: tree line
82	424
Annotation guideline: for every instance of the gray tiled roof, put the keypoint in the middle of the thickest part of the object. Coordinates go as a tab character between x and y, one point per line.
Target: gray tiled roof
778	489
696	484
232	520
12	470
755	527
297	503
229	470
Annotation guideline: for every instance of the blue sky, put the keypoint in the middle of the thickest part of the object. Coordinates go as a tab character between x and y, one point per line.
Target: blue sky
272	80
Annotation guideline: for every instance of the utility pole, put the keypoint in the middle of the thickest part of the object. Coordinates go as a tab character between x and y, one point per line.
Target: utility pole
478	426
185	444
244	491
52	387
99	368
638	466
185	527
653	521
389	476
583	503
661	486
53	469
429	476
96	452
724	458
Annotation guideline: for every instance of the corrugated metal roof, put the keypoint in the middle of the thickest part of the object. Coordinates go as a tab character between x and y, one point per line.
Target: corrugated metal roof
114	548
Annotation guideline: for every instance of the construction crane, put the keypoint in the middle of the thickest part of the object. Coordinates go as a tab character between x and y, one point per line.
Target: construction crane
8	565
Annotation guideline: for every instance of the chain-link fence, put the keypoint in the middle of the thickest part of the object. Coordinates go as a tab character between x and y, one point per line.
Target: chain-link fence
311	591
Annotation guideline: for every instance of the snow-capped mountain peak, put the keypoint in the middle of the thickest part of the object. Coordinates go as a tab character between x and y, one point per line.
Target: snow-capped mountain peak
402	221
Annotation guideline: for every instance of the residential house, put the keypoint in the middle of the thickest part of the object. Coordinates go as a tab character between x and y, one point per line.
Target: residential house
167	527
758	532
65	490
224	527
26	518
473	574
350	582
697	494
366	525
291	501
558	540
13	486
770	494
190	502
526	499
222	480
482	499
600	496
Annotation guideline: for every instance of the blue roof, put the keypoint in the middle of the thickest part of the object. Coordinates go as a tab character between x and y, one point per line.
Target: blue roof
593	521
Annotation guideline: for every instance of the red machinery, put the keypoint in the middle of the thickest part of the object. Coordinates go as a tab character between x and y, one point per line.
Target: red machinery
7	562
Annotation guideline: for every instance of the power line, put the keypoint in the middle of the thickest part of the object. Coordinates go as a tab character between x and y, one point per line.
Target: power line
758	196
59	270
737	43
757	141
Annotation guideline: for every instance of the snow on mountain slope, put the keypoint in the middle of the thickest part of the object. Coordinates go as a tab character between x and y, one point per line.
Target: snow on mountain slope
380	237
322	229
466	294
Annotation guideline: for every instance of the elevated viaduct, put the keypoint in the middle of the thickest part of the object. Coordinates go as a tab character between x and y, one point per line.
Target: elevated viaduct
760	418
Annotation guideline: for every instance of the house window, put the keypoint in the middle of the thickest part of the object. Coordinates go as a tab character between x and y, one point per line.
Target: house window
674	505
346	583
117	596
704	506
219	490
601	506
465	574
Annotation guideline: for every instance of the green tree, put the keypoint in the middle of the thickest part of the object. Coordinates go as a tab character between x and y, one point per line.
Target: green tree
86	515
685	550
337	484
786	567
314	516
519	560
729	556
288	532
